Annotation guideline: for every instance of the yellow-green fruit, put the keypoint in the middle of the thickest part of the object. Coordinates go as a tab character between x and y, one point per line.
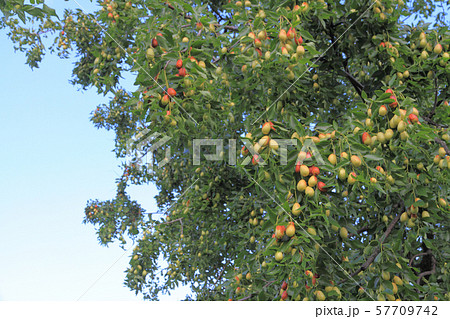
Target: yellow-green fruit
278	256
380	297
436	159
425	214
343	233
351	178
311	231
385	275
404	217
309	191
304	170
390	297
150	53
442	202
424	55
394	288
404	136
437	49
264	141
355	160
266	128
319	295
248	276
401	127
273	145
332	159
390	180
442	152
398	281
301	185
312	181
342	174
290	230
381	137
388	134
336	289
296	209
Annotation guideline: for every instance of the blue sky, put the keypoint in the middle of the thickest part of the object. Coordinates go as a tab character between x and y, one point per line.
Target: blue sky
52	160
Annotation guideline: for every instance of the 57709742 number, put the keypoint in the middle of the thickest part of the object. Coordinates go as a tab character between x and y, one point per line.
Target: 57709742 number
406	310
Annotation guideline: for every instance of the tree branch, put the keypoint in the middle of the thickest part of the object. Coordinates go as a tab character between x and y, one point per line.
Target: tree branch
229	49
377	250
359	231
443	144
429	272
430	121
356	84
418	255
231	28
171	7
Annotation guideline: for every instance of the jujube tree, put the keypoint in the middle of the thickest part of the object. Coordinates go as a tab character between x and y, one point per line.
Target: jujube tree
357	207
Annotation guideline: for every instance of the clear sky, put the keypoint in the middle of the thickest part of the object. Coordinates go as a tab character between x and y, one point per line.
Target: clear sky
52	160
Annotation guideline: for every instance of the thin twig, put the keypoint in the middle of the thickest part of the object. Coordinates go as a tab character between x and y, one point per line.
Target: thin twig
220	274
231	28
231	47
429	272
165	67
377	250
418	255
430	121
359	231
173	221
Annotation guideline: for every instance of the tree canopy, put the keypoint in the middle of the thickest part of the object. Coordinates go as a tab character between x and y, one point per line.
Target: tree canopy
329	120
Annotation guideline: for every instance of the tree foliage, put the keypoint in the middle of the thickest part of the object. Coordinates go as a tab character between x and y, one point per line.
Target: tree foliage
361	93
